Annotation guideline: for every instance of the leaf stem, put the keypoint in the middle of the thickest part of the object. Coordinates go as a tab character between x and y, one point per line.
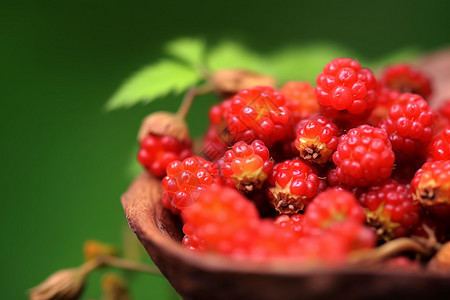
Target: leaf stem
188	99
389	249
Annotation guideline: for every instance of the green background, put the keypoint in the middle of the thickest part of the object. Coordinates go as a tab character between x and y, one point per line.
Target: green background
65	162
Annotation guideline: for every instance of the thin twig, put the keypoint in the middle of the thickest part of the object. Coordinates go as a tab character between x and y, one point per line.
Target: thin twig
189	99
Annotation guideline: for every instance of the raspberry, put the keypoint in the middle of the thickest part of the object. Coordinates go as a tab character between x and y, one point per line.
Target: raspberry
440	146
363	156
317	140
215	144
405	79
431	186
185	181
292	184
247	166
391	209
258	113
386	98
332	206
301	99
336	215
291	223
156	152
224	221
345	91
409	124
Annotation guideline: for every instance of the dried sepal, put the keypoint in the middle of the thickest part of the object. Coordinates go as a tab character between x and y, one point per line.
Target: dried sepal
164	123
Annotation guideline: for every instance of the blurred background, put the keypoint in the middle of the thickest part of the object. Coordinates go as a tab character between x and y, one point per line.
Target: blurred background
65	161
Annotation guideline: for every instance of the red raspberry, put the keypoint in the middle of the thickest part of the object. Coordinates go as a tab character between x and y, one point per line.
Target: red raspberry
429	229
215	143
440	146
332	206
391	209
345	91
405	79
185	181
225	222
292	184
291	223
258	113
336	215
156	152
220	220
317	140
431	186
247	166
409	124
302	101
386	98
363	156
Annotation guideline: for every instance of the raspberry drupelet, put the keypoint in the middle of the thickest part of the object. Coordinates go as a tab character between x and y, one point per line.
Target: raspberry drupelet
346	92
390	208
247	166
405	79
185	181
440	146
431	186
292	184
364	156
258	113
317	140
301	99
409	125
156	152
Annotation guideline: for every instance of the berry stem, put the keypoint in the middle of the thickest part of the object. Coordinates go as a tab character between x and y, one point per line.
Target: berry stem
188	99
111	261
389	249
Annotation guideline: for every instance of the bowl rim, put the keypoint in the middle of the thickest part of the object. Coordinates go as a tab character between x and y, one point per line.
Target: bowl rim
141	203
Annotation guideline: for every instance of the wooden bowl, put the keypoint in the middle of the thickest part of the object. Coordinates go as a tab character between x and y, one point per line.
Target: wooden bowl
196	276
213	277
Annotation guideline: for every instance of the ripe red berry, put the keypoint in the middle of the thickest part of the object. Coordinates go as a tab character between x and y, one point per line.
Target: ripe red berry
258	113
156	152
292	185
185	181
405	79
409	124
247	166
221	220
332	206
301	99
317	140
364	156
431	186
440	146
391	209
345	91
291	223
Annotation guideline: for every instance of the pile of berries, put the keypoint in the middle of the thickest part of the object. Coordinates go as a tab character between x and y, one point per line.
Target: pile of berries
312	174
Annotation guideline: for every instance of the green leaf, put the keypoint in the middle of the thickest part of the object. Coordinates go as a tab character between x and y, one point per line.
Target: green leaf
230	54
189	50
152	82
404	55
303	61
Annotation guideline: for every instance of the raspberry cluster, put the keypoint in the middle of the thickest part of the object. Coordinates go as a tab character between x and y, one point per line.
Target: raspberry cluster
315	174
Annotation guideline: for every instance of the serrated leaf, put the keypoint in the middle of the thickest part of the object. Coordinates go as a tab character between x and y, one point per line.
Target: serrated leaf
229	54
304	61
190	50
152	82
